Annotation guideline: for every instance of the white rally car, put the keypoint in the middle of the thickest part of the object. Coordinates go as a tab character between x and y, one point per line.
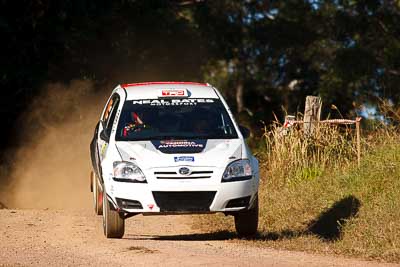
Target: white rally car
171	148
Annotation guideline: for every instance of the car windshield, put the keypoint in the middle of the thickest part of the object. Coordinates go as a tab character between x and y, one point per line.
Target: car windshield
160	119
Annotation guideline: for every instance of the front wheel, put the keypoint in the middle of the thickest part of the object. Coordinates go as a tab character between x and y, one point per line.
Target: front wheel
113	222
97	194
246	222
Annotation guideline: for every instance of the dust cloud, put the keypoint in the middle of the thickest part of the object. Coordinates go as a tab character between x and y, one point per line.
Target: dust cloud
51	166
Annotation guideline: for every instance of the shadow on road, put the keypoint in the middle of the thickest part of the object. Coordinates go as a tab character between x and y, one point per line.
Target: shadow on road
327	226
213	236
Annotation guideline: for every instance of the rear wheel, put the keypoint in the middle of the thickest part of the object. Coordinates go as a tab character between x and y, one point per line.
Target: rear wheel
97	195
246	222
113	222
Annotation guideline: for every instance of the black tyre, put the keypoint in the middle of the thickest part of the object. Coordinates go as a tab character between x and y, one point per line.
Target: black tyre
91	182
113	222
246	222
97	195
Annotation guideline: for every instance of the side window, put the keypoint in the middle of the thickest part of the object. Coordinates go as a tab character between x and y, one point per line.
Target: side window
110	116
108	109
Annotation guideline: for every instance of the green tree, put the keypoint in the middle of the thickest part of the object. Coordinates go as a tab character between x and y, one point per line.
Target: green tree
281	51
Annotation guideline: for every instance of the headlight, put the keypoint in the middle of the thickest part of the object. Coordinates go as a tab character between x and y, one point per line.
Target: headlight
128	172
238	171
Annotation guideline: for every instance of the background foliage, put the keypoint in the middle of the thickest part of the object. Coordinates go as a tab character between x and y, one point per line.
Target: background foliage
264	55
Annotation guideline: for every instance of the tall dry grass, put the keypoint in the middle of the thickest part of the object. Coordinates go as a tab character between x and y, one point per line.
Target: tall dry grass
314	197
292	156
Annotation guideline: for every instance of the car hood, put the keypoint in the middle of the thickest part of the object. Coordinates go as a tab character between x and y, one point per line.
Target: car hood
205	153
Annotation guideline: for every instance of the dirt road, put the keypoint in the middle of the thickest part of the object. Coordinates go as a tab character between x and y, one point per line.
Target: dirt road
75	238
52	172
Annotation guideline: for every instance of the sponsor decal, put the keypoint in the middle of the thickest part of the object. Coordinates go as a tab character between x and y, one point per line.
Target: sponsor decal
151	206
180	146
173	92
116	119
173	102
184	158
103	150
180	143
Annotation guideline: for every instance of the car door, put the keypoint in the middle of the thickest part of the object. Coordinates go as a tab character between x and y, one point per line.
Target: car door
104	128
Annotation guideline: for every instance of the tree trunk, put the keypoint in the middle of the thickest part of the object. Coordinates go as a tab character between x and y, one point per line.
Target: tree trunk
239	96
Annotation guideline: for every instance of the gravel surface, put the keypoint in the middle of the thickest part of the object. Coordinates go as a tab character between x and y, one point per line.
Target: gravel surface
75	238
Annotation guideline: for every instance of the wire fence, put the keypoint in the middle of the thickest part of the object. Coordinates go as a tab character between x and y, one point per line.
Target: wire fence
290	121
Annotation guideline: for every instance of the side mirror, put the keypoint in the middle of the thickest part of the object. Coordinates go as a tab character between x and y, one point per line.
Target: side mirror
245	131
104	136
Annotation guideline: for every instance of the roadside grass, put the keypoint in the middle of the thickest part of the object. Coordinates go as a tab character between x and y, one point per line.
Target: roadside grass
321	201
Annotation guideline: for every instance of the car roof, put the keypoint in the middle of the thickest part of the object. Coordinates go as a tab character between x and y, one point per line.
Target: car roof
152	90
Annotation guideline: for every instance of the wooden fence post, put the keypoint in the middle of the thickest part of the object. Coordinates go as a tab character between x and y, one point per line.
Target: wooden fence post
312	113
358	119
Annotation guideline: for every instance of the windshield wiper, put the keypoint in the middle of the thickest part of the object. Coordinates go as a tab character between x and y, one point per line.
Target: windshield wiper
179	137
191	137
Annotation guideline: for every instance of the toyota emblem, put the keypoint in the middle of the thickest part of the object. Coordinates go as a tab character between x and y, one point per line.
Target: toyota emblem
184	171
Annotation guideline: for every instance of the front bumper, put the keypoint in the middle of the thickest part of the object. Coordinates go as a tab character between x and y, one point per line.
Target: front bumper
182	196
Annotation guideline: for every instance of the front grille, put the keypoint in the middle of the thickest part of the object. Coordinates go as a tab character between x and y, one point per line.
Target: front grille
195	201
129	204
182	177
201	172
174	175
